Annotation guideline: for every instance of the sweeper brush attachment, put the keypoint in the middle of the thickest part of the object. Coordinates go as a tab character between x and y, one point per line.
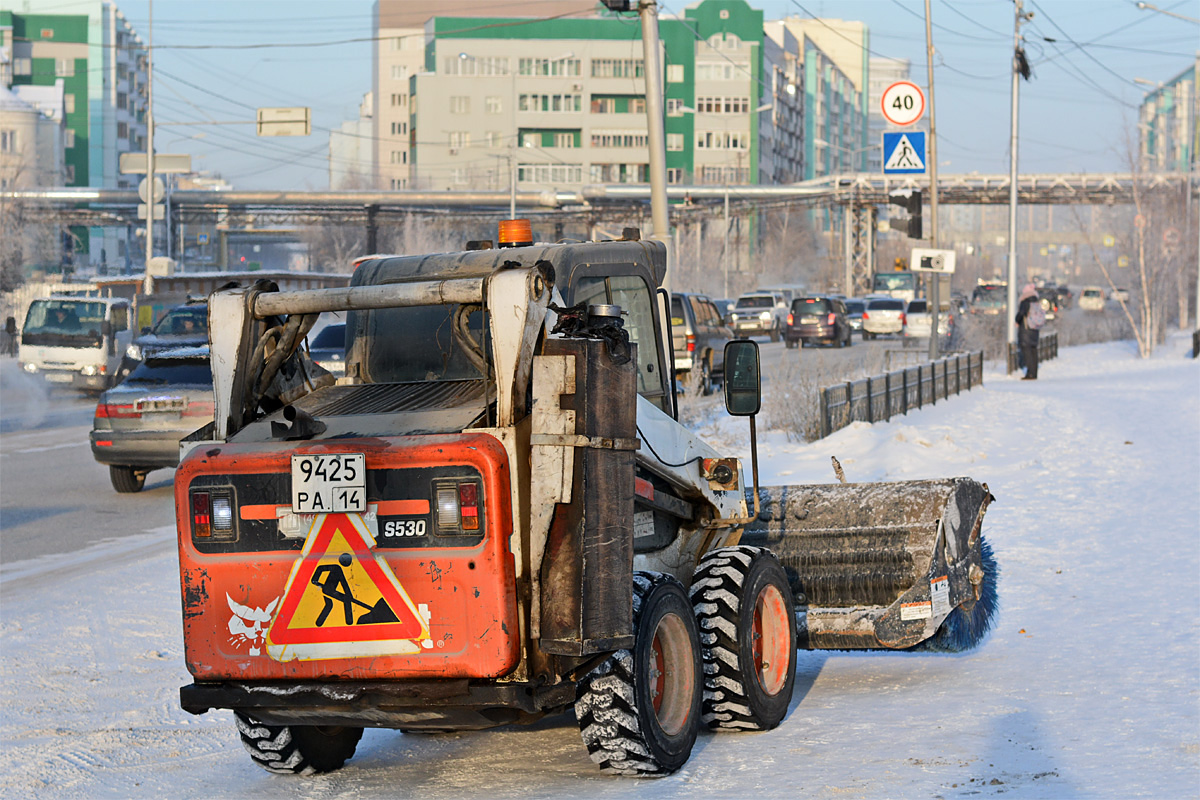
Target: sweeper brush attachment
883	565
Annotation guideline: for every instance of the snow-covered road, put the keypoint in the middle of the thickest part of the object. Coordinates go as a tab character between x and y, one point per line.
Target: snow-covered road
1089	687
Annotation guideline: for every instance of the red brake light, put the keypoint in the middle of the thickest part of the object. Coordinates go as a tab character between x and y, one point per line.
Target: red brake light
790	318
116	411
832	319
903	318
866	315
468	499
691	343
201	515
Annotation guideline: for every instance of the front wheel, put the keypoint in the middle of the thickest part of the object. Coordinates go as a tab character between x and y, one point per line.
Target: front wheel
127	480
297	749
775	333
639	710
747	623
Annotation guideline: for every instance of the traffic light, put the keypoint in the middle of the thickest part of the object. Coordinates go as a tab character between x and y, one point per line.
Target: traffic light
911	203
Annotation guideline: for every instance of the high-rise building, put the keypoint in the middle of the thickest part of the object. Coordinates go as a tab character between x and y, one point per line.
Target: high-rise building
884	72
90	48
1169	123
352	150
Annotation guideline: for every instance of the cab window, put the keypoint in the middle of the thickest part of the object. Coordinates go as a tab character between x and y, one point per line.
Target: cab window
632	294
120	318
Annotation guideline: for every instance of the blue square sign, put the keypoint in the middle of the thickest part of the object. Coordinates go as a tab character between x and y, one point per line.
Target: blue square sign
904	153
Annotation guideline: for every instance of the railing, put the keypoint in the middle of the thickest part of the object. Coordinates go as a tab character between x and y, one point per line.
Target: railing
882	397
1047	349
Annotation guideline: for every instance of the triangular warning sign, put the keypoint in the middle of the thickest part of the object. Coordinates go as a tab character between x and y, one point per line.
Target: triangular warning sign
905	156
341	601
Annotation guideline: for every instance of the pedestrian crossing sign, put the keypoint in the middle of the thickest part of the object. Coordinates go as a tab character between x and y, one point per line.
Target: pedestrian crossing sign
904	153
343	601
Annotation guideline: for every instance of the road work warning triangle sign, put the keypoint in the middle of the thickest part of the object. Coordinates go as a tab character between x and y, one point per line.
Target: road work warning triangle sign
341	601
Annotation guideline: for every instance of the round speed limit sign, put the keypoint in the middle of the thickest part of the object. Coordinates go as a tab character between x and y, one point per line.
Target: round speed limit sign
903	103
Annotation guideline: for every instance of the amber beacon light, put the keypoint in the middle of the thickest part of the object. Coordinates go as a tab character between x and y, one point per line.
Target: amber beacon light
515	233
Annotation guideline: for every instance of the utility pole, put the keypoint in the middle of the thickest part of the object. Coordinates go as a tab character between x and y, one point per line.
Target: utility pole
656	127
1019	66
935	279
151	200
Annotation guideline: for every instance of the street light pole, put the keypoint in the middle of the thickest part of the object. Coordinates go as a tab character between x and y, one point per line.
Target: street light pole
1010	324
151	200
935	279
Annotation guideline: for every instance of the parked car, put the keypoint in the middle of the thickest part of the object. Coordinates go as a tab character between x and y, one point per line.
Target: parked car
817	318
759	313
328	349
883	315
989	299
1065	298
1091	298
918	322
139	422
854	312
698	335
1119	294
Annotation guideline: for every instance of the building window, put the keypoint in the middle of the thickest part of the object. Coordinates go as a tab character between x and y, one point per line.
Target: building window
399	183
550	102
492	65
531	140
564	139
122	130
604	105
620	173
122	100
460	175
460	104
674	73
70	173
22	66
397	156
723	105
617	67
674	107
491	105
8	141
550	173
723	71
492	138
399	129
399	72
675	141
674	175
47	33
460	139
69	141
64	67
722	140
551	67
399	100
619	139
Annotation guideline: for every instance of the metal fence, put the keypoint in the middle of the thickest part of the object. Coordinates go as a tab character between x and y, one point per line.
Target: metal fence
1047	349
882	397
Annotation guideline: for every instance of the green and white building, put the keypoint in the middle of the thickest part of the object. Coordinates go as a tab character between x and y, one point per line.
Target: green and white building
1169	124
91	50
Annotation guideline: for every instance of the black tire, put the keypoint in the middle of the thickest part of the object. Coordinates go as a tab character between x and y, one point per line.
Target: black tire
849	338
791	343
127	480
775	332
747	619
639	711
706	382
297	749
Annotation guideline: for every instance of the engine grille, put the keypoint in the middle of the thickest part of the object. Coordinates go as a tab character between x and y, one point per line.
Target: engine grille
382	398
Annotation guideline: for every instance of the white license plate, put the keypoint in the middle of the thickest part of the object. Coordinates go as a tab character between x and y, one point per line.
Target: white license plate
152	404
808	320
329	484
58	377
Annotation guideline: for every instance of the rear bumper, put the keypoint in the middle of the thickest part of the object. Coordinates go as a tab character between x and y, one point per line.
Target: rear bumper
810	332
754	326
884	328
443	704
141	449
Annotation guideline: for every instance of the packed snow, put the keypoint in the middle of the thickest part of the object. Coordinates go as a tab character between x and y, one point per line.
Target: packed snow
1089	686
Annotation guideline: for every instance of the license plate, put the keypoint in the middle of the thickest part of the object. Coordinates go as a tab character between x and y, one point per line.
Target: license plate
152	404
329	484
808	320
58	377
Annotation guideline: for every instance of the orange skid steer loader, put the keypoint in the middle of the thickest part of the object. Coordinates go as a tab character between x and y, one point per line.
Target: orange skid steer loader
495	515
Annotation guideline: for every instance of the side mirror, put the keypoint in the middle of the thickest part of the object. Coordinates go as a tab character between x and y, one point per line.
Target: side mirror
743	382
106	329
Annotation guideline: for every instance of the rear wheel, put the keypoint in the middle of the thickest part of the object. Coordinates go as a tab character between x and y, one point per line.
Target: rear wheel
127	480
747	623
297	749
639	711
791	343
775	332
706	383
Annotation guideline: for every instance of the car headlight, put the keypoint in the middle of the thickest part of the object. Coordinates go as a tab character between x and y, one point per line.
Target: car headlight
30	367
733	317
89	370
765	315
134	351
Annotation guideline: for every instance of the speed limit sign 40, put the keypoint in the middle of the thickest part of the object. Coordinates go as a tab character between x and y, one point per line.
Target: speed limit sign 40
903	103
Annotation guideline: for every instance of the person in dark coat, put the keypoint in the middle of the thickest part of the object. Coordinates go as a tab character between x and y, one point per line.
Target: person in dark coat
1027	337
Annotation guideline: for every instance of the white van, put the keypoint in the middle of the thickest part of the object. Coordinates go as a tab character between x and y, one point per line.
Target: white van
75	341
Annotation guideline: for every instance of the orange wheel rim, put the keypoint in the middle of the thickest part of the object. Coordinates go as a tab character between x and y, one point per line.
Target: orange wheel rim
770	645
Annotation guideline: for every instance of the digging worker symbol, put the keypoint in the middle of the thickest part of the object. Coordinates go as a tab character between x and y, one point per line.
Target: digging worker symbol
331	580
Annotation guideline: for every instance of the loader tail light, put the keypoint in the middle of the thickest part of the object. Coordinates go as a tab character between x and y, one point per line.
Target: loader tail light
212	514
691	343
117	411
458	507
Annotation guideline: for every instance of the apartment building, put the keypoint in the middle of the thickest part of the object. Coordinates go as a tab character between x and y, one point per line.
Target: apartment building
89	48
1168	123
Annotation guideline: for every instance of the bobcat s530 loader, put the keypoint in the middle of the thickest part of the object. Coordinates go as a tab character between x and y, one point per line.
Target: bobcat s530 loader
495	515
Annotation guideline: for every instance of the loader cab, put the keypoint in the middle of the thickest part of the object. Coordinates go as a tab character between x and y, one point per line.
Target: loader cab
632	287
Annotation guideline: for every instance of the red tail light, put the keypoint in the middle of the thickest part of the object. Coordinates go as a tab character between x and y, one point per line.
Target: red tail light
790	322
199	408
117	411
691	343
866	315
903	318
201	516
468	499
831	319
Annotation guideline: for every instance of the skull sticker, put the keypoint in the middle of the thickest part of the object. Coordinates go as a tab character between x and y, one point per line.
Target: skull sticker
247	624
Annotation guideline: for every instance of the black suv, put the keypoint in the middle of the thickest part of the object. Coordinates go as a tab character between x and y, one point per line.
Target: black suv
817	318
698	336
